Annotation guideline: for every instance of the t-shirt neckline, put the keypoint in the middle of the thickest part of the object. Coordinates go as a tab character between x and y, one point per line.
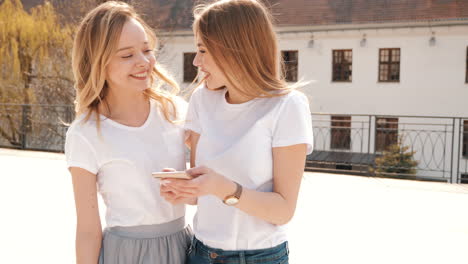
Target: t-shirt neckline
122	126
226	104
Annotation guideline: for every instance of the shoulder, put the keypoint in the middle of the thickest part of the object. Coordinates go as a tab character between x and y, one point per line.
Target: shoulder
81	126
294	102
294	97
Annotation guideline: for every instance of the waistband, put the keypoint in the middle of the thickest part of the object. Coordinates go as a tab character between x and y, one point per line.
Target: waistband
148	231
239	256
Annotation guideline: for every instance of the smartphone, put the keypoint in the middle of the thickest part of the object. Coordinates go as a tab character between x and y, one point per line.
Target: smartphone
172	174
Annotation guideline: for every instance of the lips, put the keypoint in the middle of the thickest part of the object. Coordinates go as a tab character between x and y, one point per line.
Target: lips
140	76
207	74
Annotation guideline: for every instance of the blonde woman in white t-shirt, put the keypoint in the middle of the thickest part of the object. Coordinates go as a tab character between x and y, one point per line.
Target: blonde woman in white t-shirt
126	127
250	133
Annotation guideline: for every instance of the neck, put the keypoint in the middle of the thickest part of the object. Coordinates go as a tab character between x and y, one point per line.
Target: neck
235	97
128	107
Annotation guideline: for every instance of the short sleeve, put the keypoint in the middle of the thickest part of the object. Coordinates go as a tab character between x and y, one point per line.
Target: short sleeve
79	153
294	123
192	121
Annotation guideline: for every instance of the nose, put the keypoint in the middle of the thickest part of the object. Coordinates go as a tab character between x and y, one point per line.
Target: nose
197	60
143	60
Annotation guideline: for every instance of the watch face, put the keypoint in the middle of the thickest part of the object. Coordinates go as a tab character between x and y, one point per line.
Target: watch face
232	201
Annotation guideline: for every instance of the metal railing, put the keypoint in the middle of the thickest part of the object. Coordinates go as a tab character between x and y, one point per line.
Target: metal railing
34	127
361	144
351	144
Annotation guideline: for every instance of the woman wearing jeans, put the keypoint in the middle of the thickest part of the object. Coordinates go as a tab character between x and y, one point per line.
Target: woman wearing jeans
250	134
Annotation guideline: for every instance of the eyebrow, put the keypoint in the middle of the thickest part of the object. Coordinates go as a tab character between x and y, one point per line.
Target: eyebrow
124	48
200	45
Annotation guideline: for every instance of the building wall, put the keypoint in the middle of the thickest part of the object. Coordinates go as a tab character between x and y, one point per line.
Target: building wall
432	78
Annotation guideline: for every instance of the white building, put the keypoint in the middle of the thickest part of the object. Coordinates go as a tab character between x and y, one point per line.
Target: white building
344	46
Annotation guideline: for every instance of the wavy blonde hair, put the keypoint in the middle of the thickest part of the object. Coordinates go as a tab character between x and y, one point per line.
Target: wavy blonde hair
95	43
239	35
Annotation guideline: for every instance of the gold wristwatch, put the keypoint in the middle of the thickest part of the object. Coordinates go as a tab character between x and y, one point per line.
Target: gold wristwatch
233	199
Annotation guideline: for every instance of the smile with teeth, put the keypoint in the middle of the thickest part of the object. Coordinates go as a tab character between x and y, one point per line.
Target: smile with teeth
140	75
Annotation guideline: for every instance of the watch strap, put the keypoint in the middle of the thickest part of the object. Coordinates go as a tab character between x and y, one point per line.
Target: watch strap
237	194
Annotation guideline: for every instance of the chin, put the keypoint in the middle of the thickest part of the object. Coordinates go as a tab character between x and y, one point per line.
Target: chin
214	86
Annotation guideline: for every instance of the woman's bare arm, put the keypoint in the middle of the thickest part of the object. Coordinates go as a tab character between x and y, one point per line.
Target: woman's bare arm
88	223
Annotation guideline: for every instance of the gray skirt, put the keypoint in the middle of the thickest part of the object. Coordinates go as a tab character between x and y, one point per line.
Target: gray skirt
147	244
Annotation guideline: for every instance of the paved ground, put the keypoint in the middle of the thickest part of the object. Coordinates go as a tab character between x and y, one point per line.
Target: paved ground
339	219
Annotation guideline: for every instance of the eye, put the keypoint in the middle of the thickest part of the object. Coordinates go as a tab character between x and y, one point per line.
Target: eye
126	57
202	51
148	50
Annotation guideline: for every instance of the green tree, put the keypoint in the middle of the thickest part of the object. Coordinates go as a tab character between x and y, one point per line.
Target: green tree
396	160
34	63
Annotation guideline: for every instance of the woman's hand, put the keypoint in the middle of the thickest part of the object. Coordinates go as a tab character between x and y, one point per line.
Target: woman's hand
206	182
169	195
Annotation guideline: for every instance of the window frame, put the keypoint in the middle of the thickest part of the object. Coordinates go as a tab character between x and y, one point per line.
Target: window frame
466	66
386	139
340	127
338	76
290	68
389	64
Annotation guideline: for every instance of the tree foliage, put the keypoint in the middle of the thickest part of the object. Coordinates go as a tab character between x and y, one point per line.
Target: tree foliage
35	68
34	47
396	160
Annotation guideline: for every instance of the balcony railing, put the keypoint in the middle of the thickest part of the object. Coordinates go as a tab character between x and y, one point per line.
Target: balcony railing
350	144
360	144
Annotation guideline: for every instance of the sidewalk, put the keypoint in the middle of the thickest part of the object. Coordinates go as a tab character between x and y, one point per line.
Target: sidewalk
339	218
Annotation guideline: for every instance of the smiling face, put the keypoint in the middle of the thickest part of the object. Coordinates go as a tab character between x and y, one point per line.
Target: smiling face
130	66
214	77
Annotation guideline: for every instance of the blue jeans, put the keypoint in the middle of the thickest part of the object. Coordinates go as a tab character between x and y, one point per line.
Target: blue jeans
199	253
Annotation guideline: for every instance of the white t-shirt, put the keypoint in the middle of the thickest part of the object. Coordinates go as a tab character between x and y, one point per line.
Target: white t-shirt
236	140
124	157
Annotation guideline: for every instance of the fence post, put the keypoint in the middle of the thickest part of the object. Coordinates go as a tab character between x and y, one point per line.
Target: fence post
452	151
459	146
25	124
369	135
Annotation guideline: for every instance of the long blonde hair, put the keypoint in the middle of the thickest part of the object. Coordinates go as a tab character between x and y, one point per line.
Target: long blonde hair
240	37
95	42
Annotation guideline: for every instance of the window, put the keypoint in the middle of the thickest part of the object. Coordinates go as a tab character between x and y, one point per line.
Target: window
290	62
389	65
342	65
340	132
386	133
464	178
466	75
190	71
465	139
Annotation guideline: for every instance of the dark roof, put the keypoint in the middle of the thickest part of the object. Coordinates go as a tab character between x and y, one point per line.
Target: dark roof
332	12
177	14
